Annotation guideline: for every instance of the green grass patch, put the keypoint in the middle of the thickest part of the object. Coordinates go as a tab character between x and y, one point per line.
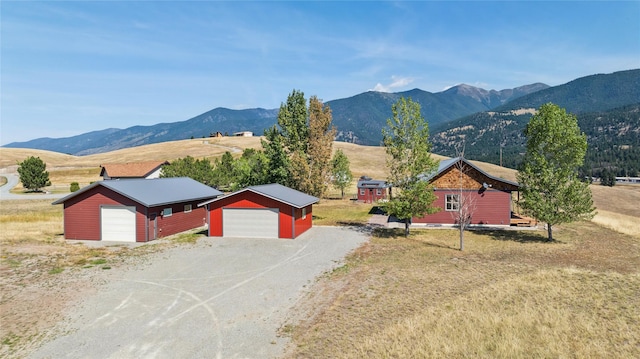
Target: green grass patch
335	212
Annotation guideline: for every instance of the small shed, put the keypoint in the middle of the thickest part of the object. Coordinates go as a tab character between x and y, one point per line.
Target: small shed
129	170
264	211
489	197
370	190
135	210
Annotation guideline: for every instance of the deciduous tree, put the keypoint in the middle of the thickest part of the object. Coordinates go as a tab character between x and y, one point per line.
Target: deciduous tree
550	188
320	144
224	174
298	149
200	170
250	169
33	173
292	119
406	140
340	172
278	164
466	204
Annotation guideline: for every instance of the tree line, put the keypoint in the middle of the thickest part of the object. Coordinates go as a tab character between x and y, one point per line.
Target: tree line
296	152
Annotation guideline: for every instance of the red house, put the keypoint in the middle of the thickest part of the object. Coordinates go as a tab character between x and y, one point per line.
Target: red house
135	210
370	190
130	170
265	211
457	182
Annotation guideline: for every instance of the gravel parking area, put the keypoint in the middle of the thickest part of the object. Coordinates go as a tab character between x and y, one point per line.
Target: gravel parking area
220	298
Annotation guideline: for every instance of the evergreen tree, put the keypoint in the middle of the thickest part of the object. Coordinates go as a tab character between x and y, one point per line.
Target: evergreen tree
550	187
408	158
340	172
607	178
33	174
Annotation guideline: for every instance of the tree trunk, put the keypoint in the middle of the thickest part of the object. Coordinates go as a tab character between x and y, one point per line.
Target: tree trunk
549	233
461	237
342	193
406	228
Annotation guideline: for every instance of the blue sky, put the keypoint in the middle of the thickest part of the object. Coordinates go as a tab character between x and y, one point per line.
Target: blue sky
73	67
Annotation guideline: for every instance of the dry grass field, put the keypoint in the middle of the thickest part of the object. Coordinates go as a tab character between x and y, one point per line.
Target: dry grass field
509	294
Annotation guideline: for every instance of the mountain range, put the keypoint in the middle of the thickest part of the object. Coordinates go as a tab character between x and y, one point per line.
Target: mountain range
359	119
607	108
488	121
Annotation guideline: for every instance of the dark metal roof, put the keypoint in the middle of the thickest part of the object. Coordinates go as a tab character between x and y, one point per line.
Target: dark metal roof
154	192
373	184
277	192
446	164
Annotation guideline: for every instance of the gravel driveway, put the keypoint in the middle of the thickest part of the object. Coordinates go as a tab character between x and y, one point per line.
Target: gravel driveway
220	298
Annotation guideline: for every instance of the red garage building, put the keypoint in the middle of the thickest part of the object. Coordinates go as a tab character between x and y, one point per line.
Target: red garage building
456	183
135	210
265	211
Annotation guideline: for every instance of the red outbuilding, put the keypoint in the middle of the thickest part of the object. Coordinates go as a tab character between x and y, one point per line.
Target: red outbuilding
265	211
370	190
135	210
457	183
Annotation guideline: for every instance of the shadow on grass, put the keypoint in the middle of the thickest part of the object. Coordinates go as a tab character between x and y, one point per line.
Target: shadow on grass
515	236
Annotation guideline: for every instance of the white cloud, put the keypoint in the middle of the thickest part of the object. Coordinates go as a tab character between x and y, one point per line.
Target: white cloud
396	82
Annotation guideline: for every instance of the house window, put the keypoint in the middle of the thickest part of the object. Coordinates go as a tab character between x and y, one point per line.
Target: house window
378	192
452	202
167	212
362	191
304	213
187	208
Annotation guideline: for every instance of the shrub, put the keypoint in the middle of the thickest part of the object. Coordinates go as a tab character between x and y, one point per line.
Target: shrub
74	186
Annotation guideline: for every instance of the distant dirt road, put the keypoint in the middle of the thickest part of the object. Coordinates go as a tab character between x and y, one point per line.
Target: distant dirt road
12	181
220	298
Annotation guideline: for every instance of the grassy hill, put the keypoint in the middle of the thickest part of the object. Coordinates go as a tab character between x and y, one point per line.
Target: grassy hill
64	169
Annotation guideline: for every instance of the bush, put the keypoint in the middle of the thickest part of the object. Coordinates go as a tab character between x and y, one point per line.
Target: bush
74	186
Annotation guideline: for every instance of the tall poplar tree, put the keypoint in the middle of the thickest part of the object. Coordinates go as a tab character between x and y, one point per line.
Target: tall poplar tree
292	119
276	156
408	158
320	143
548	176
298	149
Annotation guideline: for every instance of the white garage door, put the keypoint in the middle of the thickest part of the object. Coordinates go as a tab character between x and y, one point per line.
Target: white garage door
250	222
118	224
